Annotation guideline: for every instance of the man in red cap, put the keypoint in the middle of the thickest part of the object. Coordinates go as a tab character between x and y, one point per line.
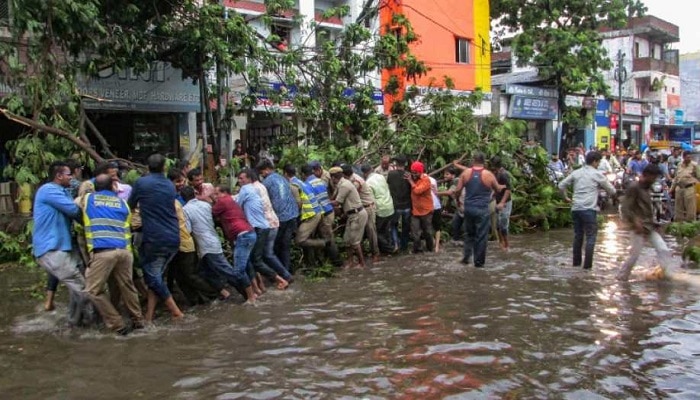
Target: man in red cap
422	207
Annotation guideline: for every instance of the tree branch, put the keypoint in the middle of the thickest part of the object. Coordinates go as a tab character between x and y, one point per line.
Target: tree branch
54	131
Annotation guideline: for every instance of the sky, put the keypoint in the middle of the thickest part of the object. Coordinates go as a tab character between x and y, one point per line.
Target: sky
683	14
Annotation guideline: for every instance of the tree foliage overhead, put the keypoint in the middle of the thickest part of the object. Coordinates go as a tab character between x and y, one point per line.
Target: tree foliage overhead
561	38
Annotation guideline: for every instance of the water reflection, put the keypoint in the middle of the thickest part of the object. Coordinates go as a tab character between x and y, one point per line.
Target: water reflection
527	326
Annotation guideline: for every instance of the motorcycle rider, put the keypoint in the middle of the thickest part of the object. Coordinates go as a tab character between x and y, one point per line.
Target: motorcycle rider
636	165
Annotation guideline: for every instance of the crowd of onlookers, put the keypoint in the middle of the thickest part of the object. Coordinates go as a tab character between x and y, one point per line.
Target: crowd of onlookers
84	230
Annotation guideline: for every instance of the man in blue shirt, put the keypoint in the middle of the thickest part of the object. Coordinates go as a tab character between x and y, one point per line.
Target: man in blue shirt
51	238
280	192
636	165
155	196
252	205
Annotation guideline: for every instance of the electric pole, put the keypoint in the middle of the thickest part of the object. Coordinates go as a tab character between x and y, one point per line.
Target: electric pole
620	77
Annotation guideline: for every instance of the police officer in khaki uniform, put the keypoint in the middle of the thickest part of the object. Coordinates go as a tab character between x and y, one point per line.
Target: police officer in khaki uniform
347	198
683	188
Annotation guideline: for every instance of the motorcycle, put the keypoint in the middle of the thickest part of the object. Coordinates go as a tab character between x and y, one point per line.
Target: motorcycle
660	206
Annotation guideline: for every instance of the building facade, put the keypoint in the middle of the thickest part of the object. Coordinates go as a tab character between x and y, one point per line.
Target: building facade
650	85
453	41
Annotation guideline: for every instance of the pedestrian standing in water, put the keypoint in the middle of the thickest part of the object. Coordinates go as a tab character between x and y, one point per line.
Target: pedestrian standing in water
683	189
479	184
586	181
637	212
504	201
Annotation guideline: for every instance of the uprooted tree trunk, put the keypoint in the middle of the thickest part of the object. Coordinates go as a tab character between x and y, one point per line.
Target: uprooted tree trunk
82	144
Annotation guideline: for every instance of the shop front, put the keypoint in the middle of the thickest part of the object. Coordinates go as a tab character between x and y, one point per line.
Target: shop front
142	113
635	125
539	107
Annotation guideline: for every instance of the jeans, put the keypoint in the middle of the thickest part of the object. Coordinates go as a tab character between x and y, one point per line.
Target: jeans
217	264
256	263
403	216
477	224
271	259
585	222
154	261
241	250
283	242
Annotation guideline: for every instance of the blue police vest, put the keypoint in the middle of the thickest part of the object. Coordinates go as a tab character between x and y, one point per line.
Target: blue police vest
107	221
321	190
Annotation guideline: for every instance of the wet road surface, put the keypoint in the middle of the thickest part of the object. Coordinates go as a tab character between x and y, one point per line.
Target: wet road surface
526	326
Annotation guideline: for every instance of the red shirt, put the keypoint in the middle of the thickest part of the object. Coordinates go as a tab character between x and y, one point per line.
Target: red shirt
231	217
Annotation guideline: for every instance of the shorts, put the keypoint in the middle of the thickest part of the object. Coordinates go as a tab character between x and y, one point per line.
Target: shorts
355	228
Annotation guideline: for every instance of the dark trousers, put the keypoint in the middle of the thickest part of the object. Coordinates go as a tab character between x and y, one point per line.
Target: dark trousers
384	234
422	226
457	226
184	269
256	262
401	238
477	224
585	223
283	242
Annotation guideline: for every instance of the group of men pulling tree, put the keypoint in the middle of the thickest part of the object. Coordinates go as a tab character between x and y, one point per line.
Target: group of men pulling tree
84	230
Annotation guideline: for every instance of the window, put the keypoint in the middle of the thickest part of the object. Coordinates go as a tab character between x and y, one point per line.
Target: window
636	49
323	36
4	12
281	36
462	50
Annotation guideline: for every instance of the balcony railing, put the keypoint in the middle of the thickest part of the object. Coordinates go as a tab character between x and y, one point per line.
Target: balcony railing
652	64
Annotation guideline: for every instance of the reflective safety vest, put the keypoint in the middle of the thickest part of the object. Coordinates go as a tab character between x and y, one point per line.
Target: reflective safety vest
107	221
321	191
309	204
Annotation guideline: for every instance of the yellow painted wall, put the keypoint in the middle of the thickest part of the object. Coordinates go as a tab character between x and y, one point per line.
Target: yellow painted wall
482	44
602	137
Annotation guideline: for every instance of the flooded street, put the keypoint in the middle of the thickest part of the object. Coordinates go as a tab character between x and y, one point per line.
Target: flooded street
526	326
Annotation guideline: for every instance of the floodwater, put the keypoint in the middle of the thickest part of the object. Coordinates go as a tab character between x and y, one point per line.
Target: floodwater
526	326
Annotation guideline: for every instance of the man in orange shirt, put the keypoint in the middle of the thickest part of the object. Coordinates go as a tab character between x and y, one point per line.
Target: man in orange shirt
422	207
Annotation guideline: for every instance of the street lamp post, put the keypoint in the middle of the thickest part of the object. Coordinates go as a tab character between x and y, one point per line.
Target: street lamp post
620	77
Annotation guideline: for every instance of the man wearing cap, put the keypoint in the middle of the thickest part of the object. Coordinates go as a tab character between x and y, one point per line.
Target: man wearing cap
683	189
368	202
348	199
422	207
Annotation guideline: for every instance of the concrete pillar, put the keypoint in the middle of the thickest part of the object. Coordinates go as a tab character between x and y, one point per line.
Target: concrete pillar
307	11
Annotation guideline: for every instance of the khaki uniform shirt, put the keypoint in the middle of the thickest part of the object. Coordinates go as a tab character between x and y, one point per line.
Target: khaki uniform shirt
363	189
686	175
347	195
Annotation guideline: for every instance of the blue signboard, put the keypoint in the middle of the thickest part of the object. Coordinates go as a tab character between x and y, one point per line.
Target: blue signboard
529	107
602	114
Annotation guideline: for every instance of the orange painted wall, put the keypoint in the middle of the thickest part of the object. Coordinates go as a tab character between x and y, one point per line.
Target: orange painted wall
437	23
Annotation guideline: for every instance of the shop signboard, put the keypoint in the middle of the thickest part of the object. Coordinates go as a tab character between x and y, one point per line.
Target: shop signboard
531	91
530	107
679	135
160	89
602	113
